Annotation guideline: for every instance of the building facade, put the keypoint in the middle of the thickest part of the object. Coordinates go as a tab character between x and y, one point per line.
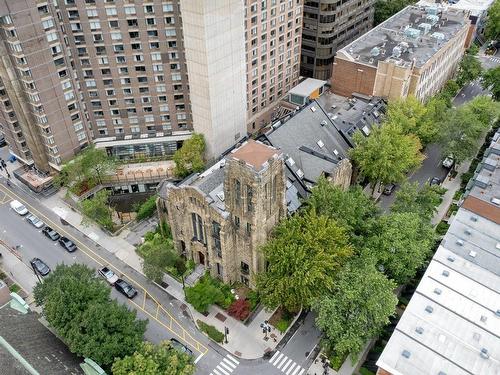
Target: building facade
412	53
220	218
329	25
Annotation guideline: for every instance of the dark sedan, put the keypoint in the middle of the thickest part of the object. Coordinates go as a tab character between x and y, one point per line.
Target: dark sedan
125	288
51	233
67	244
40	266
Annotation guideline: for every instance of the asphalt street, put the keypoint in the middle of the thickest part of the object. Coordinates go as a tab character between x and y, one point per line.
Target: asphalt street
15	230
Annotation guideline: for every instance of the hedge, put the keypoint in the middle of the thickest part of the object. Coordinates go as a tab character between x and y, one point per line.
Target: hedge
211	331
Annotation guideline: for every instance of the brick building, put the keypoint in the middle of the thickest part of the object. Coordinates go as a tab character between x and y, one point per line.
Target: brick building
412	53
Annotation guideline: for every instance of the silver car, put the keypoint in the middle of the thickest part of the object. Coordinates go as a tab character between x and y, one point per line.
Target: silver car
35	221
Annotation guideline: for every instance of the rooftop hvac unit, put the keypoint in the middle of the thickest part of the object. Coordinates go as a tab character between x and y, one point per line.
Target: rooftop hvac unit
375	51
432	19
425	27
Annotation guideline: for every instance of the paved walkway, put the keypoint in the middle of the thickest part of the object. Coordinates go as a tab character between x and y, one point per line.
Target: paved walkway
243	341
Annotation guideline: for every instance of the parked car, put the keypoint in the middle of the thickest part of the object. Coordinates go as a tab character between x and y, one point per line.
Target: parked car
125	288
389	189
180	347
435	181
108	275
35	221
67	244
40	266
2	141
51	233
19	207
448	162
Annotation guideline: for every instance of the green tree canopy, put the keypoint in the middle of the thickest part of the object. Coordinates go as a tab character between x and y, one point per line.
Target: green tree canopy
413	117
189	158
158	254
491	80
411	198
97	209
362	301
384	9
387	155
89	165
461	131
401	244
350	208
304	255
77	304
151	359
204	294
493	22
469	69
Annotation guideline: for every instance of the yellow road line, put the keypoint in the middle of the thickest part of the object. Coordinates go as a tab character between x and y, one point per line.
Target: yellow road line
102	262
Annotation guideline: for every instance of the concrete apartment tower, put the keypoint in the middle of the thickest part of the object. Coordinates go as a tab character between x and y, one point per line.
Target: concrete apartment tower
328	26
214	39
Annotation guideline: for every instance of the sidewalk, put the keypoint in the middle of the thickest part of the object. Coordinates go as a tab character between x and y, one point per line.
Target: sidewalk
18	271
243	341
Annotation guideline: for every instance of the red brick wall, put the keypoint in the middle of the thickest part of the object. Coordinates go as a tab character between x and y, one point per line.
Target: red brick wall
349	77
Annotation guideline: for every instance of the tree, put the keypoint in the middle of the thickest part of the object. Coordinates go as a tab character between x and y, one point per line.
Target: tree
203	294
492	31
150	359
412	116
97	209
158	254
385	9
362	301
491	80
469	69
189	158
105	331
303	257
412	199
350	208
386	155
401	244
462	129
77	305
448	92
147	208
88	166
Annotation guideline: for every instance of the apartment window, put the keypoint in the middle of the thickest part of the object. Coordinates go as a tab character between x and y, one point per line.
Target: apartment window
118	47
123	70
111	11
249	229
113	24
170	32
120	59
81	136
140	68
176	77
154	45
150	21
168	8
249	199
116	35
148	9
47	24
90	83
95	25
216	236
149	118
51	36
129	10
133	34
138	58
245	269
102	60
197	227
100	123
91	12
157	68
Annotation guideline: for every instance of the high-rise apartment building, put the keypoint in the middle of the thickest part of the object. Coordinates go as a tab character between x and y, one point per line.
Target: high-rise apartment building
328	26
273	31
115	73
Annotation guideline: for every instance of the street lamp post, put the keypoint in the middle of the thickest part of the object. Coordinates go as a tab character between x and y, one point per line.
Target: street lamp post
226	333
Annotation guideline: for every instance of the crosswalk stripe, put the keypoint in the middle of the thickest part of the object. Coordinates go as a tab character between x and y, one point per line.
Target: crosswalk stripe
282	362
222	370
275	355
300	373
296	370
291	368
216	372
277	359
286	366
230	369
233	359
231	364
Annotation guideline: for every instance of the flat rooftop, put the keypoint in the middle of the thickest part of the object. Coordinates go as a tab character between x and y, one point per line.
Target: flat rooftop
476	7
414	34
254	154
452	323
307	87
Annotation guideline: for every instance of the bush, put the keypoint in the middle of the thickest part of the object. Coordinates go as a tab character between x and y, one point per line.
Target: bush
211	331
147	209
239	309
283	325
14	288
442	228
254	299
204	294
365	371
